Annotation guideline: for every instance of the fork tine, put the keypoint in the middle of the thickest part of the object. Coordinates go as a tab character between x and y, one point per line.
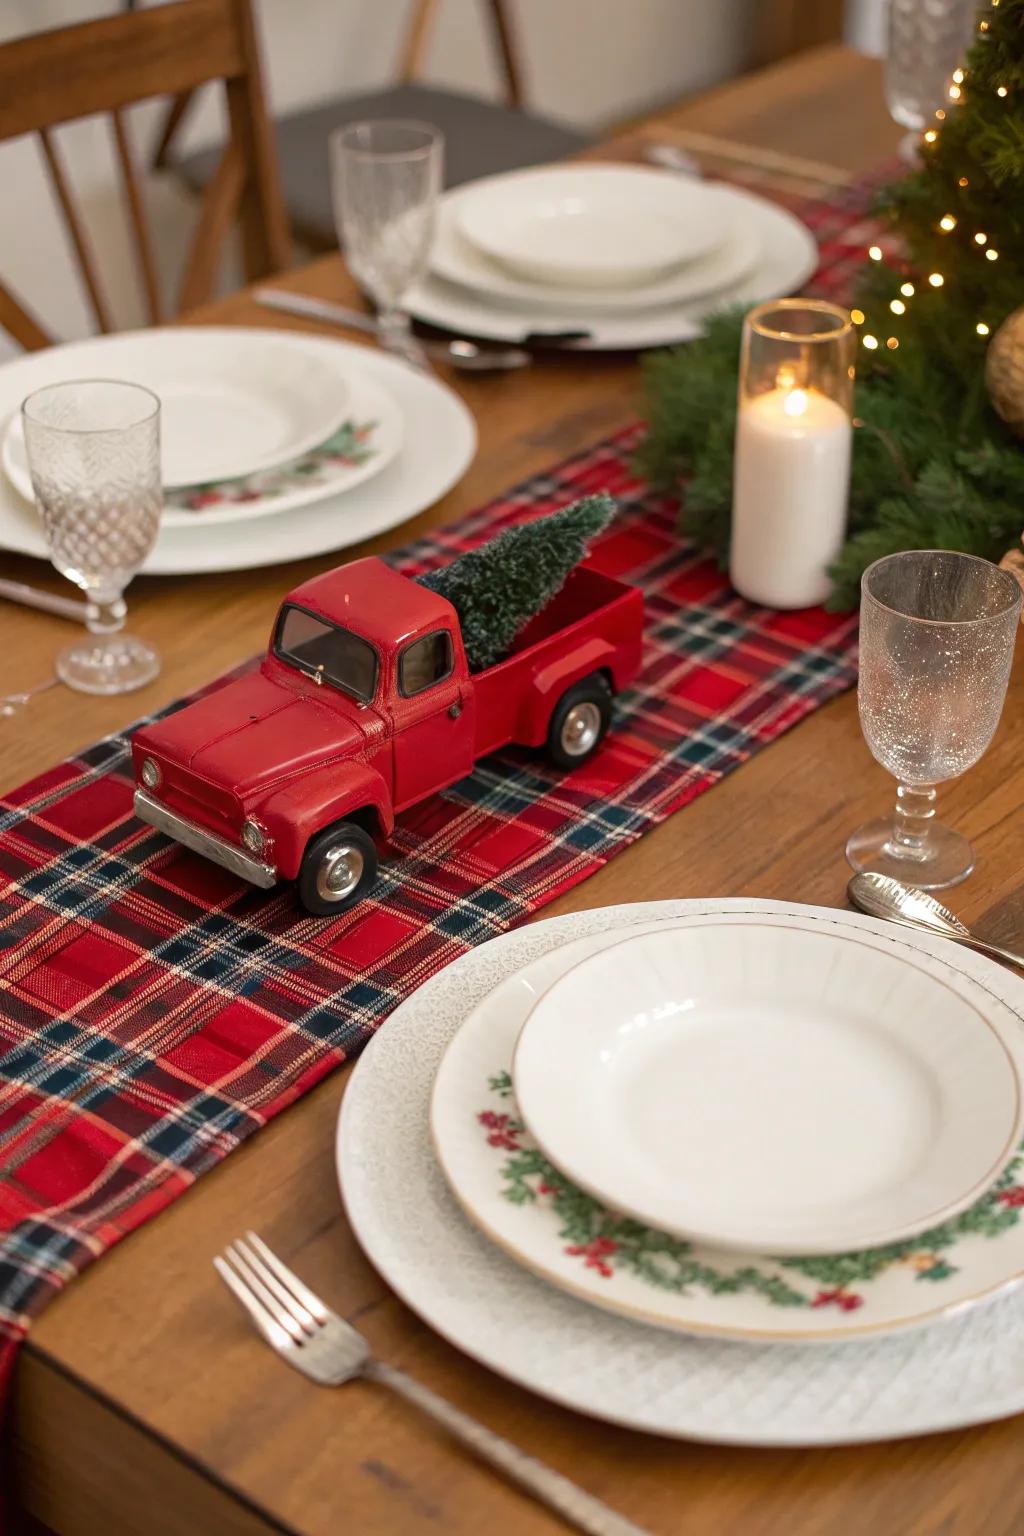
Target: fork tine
281	1315
302	1293
274	1334
262	1269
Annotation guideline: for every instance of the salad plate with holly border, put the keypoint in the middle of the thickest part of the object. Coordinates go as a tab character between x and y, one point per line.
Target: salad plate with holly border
359	447
535	1213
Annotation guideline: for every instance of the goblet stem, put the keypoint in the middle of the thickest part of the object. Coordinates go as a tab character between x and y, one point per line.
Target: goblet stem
105	615
395	326
912	820
397	335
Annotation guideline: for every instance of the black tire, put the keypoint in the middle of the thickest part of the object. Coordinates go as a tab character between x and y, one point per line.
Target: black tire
579	722
344	854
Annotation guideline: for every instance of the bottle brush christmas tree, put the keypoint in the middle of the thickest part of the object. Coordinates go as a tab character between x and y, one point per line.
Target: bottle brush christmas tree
497	589
936	463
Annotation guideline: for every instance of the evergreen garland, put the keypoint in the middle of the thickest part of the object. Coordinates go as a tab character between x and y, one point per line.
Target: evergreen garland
498	588
933	465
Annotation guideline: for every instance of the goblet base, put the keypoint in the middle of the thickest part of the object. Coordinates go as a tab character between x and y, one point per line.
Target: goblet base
946	857
107	664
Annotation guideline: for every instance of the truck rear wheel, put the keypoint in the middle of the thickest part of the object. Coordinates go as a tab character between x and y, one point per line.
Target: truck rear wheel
338	868
579	722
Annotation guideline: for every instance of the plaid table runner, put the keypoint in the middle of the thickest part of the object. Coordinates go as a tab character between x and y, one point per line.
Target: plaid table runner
154	1011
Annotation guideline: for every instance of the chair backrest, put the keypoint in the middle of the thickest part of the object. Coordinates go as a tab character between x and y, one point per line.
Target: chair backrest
103	67
414	45
413	48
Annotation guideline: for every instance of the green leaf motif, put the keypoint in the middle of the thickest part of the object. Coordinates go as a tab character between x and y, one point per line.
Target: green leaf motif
614	1244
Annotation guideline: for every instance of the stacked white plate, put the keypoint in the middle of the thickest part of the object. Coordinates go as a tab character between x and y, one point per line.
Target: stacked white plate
275	445
614	256
639	1159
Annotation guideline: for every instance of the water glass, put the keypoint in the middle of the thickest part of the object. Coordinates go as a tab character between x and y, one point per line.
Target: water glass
94	456
927	40
385	180
937	633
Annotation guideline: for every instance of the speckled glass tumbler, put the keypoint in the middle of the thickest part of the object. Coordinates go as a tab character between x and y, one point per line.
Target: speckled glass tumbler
94	455
937	632
927	40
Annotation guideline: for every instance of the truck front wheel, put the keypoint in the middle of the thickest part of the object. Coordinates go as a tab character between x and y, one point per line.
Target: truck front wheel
338	868
579	722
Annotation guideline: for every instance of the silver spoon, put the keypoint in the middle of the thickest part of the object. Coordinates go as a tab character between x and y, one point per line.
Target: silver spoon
671	158
881	896
460	353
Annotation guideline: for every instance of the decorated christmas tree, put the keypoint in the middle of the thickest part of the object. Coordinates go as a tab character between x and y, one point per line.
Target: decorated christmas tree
940	386
497	588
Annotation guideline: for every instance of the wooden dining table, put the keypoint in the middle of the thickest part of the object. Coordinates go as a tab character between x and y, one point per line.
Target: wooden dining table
143	1404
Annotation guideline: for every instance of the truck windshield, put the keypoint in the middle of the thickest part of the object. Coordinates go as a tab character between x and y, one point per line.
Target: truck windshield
337	655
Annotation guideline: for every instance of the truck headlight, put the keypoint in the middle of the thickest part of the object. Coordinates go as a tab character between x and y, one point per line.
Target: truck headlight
253	835
150	773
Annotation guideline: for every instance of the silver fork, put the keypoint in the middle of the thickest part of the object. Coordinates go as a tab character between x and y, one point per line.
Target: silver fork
320	1344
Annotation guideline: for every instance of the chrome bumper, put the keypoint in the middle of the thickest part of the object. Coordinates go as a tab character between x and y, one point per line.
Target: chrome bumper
207	843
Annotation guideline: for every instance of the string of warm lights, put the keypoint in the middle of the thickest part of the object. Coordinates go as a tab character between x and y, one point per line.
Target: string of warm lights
946	225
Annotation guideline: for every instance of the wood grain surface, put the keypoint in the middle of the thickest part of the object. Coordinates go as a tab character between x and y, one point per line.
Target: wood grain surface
143	1402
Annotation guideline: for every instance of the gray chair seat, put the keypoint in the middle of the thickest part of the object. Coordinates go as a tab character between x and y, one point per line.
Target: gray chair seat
481	139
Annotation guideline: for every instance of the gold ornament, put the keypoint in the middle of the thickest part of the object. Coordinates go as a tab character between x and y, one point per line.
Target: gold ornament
1013	561
1004	371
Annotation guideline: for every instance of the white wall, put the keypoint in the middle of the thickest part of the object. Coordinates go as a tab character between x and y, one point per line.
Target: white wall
865	25
588	62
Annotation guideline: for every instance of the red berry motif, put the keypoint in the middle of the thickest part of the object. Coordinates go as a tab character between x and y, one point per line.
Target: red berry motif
847	1301
503	1132
596	1253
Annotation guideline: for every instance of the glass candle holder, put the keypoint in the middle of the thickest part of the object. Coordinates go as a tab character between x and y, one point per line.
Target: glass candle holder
794	430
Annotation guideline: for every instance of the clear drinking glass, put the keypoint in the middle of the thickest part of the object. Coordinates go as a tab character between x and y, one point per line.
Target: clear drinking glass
937	632
927	40
385	180
94	455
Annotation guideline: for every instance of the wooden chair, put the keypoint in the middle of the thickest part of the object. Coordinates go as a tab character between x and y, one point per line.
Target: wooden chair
481	136
107	65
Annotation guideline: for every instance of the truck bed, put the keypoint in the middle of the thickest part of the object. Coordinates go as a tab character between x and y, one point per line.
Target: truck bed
591	607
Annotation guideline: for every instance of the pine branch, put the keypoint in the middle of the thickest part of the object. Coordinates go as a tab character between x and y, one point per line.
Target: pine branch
933	465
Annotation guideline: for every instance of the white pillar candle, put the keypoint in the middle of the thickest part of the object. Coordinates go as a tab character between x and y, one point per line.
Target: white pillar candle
790	487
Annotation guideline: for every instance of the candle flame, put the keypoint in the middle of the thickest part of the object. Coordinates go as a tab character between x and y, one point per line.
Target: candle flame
795	403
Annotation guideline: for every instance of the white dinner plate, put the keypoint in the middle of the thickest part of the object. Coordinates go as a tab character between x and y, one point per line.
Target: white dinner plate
454	259
590	225
439	444
232	401
788	257
530	1209
359	448
961	1371
764	1087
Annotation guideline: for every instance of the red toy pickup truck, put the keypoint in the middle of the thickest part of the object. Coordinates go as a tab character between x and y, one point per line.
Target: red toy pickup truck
364	705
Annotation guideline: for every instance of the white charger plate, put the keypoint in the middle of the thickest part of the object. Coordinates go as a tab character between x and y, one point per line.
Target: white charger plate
453	258
590	225
363	445
788	257
232	401
964	1371
530	1209
439	444
765	1087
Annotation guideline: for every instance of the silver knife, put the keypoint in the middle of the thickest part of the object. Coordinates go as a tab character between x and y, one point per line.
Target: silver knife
309	308
49	602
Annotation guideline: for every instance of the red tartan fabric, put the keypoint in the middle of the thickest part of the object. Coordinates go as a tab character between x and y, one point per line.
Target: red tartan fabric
154	1011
